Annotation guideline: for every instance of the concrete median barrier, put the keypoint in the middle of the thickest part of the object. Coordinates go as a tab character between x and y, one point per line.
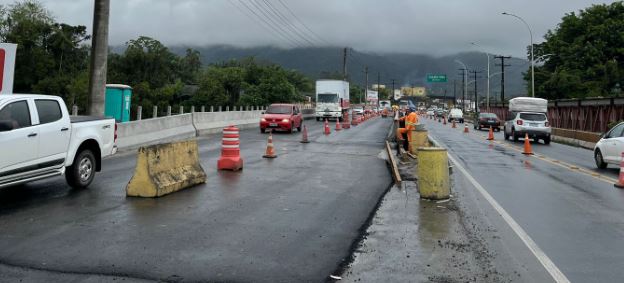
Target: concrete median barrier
214	122
419	138
165	168
158	130
433	173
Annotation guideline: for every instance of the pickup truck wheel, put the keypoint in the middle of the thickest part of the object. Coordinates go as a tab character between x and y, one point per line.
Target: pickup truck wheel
82	171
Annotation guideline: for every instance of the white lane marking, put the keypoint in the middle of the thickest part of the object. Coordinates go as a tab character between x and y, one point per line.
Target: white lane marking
550	266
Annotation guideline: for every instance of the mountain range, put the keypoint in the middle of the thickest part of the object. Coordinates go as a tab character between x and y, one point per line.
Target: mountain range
405	69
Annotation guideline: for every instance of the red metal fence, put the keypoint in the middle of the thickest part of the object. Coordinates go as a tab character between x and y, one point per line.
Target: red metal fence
591	115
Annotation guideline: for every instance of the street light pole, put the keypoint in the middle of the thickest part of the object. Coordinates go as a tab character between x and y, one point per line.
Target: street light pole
487	98
465	80
532	55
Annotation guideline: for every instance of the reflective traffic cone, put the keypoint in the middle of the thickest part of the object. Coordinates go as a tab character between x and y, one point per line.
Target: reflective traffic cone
454	126
527	145
327	130
270	151
304	136
338	126
345	123
491	134
466	128
620	182
230	152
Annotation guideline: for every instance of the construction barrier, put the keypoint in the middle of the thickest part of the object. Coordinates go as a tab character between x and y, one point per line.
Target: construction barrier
230	150
419	138
433	173
166	168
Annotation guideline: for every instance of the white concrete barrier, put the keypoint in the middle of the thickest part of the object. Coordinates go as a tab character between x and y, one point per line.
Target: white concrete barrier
157	130
181	127
213	122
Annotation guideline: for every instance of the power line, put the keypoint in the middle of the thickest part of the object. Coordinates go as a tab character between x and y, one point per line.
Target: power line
302	23
280	17
274	24
264	23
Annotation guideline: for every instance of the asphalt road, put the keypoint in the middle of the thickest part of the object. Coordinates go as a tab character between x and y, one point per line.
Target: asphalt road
567	207
289	219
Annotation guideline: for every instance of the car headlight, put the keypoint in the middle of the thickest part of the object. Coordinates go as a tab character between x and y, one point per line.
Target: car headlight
285	120
262	120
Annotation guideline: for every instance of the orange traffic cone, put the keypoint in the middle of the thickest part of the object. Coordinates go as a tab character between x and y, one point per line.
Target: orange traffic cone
270	151
491	134
454	126
230	152
527	145
327	130
304	136
338	126
466	128
620	182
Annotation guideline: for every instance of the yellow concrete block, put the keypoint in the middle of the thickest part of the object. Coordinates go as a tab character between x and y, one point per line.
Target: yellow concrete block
165	168
419	139
433	173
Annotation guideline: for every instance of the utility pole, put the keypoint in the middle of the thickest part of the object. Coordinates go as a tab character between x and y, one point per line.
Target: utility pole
378	88
476	95
344	64
366	85
502	65
463	100
392	94
454	92
99	58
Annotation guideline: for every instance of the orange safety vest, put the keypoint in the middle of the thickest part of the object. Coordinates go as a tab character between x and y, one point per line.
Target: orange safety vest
411	121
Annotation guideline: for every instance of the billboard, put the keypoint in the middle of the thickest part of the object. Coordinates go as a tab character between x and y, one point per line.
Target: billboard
377	87
7	67
372	95
413	91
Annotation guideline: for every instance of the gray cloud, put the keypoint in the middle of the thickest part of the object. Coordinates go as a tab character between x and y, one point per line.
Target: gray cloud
412	26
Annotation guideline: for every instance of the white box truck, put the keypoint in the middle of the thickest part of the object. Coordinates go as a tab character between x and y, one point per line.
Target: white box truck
332	99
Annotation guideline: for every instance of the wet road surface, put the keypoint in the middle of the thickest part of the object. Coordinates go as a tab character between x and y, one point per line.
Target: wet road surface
293	218
576	218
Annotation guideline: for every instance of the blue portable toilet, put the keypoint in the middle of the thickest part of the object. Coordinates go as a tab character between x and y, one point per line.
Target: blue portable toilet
117	103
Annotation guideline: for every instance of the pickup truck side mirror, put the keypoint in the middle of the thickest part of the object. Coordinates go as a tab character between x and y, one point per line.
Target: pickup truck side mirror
6	125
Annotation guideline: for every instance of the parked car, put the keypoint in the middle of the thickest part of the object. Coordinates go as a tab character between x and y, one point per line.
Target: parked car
456	114
487	120
534	124
609	148
40	140
285	117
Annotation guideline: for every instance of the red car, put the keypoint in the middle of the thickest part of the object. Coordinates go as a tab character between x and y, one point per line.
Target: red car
281	117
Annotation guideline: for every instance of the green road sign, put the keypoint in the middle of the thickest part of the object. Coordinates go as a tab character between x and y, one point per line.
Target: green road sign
436	78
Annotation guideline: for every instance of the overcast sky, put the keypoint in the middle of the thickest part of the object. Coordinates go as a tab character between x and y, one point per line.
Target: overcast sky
413	26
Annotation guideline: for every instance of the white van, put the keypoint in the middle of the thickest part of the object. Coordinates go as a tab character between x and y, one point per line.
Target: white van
456	114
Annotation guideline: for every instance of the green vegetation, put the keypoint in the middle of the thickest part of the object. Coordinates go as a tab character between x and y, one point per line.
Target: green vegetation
53	58
583	56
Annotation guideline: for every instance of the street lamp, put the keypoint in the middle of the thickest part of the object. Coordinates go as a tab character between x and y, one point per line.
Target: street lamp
488	77
465	82
532	65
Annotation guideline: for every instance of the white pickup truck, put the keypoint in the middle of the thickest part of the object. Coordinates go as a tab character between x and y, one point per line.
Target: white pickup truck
38	139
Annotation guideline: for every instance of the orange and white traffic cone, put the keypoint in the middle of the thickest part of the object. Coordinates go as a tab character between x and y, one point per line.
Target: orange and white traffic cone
491	134
527	145
620	182
338	126
304	136
327	129
466	128
230	152
454	126
270	150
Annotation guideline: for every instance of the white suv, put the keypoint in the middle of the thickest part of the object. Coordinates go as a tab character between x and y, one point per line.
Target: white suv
456	114
609	148
534	124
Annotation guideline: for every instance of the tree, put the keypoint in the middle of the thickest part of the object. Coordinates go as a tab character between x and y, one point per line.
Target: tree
583	56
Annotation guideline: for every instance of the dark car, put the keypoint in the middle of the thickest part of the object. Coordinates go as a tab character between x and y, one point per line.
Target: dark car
487	120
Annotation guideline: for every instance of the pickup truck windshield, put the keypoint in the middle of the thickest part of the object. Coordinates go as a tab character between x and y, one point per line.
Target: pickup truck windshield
327	98
279	109
533	116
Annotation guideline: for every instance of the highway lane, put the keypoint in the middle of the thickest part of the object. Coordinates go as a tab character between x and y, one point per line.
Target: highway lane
575	218
292	218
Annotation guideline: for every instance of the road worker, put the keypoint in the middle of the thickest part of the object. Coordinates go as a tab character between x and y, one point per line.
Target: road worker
411	120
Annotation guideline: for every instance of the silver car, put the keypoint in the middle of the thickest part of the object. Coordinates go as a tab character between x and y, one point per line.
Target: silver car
519	124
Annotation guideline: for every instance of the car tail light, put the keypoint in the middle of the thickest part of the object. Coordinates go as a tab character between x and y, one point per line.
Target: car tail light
519	122
546	124
115	140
